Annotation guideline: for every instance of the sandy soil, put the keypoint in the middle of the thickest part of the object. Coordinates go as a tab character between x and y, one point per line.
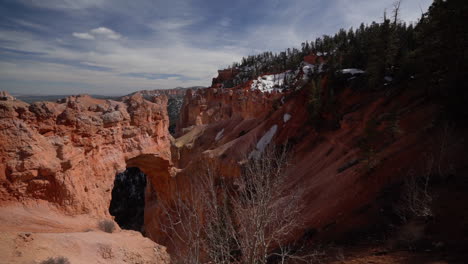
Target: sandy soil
33	234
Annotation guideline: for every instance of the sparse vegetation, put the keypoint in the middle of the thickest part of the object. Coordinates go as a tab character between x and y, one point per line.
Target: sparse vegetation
242	220
107	225
56	260
415	198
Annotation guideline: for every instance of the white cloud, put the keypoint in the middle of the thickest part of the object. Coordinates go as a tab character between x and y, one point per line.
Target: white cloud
100	31
196	65
83	35
106	32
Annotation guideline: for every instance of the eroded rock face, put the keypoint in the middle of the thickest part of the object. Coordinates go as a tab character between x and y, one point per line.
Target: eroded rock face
67	153
210	105
365	142
225	75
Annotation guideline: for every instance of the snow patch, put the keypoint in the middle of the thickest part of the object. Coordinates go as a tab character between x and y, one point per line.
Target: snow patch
219	135
286	117
352	71
309	69
263	142
270	83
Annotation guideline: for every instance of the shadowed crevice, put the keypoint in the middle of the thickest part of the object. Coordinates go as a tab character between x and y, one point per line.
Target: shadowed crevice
128	199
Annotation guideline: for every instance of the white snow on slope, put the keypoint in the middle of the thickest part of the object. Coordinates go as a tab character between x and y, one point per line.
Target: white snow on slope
322	53
352	71
309	68
286	117
219	135
263	142
269	83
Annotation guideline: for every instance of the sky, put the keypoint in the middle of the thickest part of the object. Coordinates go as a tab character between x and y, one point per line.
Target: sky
115	47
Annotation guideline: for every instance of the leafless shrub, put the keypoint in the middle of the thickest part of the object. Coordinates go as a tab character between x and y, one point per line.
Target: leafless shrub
56	260
243	220
106	225
266	214
415	200
182	224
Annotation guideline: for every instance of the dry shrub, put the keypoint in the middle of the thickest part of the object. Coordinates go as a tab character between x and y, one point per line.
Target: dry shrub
107	226
56	260
242	220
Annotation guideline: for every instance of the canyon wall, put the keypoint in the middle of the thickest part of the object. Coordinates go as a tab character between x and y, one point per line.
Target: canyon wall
211	105
344	162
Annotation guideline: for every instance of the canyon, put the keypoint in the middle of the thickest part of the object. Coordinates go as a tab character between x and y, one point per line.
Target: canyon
59	160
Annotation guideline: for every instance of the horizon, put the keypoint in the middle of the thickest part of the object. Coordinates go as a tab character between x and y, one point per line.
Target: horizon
20	95
113	47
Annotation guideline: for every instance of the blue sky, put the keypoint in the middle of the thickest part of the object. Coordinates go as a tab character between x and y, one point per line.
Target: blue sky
120	46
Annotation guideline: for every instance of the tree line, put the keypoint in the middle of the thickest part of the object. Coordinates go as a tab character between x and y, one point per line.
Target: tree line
390	52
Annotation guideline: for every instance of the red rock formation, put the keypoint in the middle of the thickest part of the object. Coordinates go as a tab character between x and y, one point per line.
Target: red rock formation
167	92
58	164
67	153
205	106
365	142
313	59
224	75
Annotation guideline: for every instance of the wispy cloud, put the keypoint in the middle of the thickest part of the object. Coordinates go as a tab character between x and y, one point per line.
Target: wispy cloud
83	35
106	32
98	32
159	76
172	23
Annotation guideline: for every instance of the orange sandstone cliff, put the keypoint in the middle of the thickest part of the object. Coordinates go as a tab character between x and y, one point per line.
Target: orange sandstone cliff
67	153
58	165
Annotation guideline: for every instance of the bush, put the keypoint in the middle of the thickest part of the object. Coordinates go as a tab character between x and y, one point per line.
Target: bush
107	226
56	260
